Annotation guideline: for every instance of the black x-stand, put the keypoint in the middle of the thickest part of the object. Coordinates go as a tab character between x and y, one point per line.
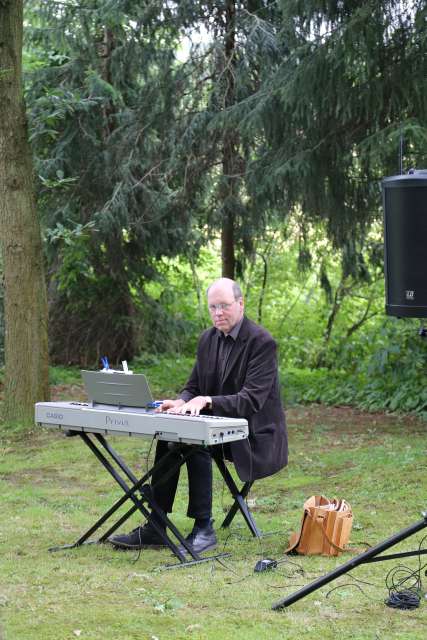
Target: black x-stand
140	494
371	555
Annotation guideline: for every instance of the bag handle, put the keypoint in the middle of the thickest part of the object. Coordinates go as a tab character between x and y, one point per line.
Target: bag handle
338	548
296	537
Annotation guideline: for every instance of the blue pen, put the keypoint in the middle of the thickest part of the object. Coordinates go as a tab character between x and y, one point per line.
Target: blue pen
154	404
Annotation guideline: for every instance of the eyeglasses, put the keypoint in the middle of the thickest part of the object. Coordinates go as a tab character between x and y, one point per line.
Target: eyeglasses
222	306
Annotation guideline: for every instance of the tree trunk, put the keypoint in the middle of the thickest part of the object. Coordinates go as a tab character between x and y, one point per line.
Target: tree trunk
124	307
230	150
227	246
25	304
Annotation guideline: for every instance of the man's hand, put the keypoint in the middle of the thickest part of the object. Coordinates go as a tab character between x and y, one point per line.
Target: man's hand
170	405
193	406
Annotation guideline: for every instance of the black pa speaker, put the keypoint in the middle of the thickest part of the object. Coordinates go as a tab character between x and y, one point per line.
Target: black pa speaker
405	244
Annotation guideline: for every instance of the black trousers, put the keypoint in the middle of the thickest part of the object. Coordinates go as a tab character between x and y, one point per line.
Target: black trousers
199	470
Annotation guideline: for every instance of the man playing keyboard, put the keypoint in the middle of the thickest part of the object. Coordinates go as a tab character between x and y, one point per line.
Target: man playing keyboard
235	375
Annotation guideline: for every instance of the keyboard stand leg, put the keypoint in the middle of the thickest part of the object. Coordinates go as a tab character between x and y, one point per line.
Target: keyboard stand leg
146	493
235	507
239	498
115	456
144	489
129	492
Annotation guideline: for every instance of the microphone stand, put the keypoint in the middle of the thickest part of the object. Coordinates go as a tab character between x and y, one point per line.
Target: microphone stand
371	555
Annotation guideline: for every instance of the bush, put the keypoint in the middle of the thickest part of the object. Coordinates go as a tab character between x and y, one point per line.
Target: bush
391	378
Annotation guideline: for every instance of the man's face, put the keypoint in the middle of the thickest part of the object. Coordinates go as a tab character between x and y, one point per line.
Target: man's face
224	310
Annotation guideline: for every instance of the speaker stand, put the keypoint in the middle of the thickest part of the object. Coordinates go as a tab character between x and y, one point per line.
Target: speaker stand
371	555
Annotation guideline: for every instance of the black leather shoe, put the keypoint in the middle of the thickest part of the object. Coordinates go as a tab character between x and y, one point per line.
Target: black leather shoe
139	538
201	539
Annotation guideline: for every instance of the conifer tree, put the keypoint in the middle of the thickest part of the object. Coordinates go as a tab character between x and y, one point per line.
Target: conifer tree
103	110
240	50
352	87
129	173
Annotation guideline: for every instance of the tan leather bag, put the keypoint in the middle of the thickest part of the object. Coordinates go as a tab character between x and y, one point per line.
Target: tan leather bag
325	527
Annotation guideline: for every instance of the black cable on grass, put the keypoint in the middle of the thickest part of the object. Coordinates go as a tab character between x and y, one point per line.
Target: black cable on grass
350	584
405	599
404	584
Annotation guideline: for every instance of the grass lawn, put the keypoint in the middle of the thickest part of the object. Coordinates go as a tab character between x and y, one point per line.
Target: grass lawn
52	489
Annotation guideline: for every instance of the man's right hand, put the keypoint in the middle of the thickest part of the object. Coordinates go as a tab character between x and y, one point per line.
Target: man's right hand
170	405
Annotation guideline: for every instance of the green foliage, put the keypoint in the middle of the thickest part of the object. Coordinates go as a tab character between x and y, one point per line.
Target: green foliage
166	331
64	376
390	377
341	348
102	108
336	108
395	374
369	360
310	100
166	374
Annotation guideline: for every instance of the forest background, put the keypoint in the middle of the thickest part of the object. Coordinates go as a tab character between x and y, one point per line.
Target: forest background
177	141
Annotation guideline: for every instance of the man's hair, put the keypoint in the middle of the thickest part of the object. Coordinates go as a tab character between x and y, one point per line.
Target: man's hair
237	292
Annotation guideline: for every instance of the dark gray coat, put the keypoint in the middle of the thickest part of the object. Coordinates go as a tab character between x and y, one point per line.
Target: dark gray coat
249	389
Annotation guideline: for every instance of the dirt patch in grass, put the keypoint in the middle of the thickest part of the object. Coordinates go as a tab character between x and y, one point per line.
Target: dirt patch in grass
345	416
38	477
348	419
343	426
